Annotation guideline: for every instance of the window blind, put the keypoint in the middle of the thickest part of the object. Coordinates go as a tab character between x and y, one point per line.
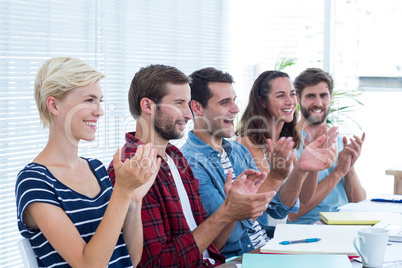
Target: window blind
118	37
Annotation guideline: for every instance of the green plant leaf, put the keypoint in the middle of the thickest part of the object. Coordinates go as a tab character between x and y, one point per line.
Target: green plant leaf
284	61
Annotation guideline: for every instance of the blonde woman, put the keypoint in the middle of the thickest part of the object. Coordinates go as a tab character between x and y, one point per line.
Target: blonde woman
66	205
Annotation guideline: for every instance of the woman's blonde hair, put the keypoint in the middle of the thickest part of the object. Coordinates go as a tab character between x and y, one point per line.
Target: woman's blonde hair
57	77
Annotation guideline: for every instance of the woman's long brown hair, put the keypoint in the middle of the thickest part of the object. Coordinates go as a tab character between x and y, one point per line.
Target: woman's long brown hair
254	121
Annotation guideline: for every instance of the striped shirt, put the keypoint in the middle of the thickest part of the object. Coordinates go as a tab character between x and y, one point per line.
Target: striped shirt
35	183
257	235
226	164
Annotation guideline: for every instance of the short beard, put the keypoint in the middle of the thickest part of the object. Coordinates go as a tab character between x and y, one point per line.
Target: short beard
311	119
164	128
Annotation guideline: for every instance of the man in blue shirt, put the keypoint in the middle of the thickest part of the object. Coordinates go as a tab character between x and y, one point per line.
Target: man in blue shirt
339	184
213	158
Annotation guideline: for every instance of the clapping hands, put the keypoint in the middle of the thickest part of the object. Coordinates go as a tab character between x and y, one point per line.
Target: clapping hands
280	157
242	198
320	153
138	173
351	152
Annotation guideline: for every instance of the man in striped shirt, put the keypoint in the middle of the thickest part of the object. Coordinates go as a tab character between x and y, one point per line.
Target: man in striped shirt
212	157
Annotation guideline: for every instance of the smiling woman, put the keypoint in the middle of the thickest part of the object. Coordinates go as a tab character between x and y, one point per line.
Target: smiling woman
268	130
78	112
102	33
267	113
63	197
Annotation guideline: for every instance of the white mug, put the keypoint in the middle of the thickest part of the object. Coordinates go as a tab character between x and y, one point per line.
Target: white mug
373	242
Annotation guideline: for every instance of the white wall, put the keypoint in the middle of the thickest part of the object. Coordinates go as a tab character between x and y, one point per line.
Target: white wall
380	119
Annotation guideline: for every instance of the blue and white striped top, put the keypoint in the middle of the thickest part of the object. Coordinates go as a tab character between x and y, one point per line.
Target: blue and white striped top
35	183
258	236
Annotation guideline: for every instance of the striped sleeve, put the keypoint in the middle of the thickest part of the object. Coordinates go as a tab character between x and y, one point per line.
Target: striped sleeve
33	185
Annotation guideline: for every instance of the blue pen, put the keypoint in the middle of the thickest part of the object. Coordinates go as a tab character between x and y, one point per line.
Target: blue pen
387	200
307	240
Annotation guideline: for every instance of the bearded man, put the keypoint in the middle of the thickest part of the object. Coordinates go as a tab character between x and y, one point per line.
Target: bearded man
339	184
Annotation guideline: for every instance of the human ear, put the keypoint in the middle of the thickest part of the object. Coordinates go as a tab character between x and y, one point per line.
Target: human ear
197	108
146	105
263	102
52	105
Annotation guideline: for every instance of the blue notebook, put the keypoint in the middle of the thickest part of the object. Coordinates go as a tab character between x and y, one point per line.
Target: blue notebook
282	260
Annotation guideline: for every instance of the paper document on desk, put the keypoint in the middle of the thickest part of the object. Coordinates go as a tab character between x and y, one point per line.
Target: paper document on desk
371	206
394	226
334	239
310	261
393	253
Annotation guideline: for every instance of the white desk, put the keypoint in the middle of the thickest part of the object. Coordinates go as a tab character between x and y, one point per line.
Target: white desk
393	251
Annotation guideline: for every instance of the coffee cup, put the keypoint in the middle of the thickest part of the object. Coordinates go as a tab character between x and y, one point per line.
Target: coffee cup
371	244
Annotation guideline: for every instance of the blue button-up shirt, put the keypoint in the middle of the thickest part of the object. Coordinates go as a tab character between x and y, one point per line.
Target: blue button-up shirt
207	168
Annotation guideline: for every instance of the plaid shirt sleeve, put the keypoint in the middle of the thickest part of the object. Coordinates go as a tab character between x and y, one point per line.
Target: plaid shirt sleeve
168	241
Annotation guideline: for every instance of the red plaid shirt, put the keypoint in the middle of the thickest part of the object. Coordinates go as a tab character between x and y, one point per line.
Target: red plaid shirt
168	241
